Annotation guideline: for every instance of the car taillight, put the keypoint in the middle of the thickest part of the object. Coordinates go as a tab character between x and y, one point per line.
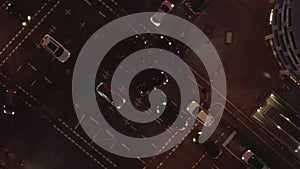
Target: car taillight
15	92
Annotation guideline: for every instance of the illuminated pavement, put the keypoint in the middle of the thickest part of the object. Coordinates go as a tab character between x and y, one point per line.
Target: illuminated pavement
46	132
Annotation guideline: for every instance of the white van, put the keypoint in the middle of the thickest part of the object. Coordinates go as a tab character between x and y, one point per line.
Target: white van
55	48
195	110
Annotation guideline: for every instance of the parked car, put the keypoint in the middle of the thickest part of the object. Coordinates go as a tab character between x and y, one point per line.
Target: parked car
9	106
164	8
106	93
158	78
251	159
196	111
197	6
55	48
212	148
18	13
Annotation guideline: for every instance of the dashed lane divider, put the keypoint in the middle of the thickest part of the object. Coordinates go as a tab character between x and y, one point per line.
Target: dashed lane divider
21	30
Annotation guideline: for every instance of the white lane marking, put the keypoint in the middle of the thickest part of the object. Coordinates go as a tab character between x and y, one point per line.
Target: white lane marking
88	2
94	120
127	148
32	67
197	163
19	68
154	145
102	14
20	31
32	83
110	134
79	122
141	160
233	154
48	80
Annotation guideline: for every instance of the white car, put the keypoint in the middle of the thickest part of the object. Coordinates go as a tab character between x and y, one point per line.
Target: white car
164	8
106	93
196	111
55	48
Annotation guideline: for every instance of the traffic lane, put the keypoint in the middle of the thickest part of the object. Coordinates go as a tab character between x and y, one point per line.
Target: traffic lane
26	68
73	137
30	7
104	136
182	11
202	160
221	133
72	35
13	53
40	60
145	6
219	136
264	142
140	6
46	147
105	8
64	12
9	124
26	55
9	28
59	102
251	81
232	58
185	154
79	28
72	128
190	154
246	140
227	160
18	38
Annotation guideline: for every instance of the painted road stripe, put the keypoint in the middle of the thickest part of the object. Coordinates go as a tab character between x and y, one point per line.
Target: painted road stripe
125	146
19	68
109	133
94	120
49	81
32	67
88	2
102	14
79	122
32	83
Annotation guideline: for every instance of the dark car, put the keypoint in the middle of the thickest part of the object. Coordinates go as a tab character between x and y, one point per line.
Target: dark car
158	78
211	148
197	6
9	106
18	13
251	159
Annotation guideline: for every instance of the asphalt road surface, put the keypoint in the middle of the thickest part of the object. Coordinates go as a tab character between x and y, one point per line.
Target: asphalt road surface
45	133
